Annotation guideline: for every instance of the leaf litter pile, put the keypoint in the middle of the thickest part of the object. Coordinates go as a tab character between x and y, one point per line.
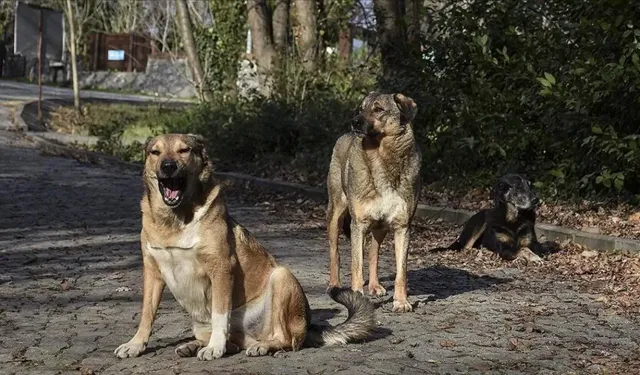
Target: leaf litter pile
612	278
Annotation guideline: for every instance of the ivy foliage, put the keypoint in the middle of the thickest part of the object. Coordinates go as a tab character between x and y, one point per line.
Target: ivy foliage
221	44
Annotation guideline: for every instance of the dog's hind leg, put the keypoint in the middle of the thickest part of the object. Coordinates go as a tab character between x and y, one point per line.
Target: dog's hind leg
377	236
358	231
337	211
472	232
285	326
202	333
401	244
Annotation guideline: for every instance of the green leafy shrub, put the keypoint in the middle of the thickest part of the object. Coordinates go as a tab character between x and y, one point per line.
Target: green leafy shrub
546	88
293	131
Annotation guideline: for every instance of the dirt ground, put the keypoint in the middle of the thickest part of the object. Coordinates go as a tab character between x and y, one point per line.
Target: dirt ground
70	290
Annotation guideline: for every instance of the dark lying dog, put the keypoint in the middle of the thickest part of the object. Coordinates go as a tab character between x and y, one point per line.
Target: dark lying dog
508	228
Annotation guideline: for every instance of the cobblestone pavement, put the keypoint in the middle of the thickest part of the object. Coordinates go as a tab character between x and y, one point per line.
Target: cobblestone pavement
70	290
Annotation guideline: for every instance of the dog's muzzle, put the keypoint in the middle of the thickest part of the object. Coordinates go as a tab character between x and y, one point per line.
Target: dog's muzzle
171	183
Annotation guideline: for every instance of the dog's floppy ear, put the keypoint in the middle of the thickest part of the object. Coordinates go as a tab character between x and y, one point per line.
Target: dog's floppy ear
498	190
356	121
199	145
147	148
407	106
369	99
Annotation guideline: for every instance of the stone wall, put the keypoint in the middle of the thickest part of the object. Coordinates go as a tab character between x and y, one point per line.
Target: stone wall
163	77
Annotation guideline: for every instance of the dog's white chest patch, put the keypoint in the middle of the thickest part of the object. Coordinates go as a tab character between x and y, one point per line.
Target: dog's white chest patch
388	207
185	277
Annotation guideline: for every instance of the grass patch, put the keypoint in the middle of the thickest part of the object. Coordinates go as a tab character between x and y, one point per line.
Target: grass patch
121	128
135	122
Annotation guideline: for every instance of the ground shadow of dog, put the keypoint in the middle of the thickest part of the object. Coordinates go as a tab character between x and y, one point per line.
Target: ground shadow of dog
440	282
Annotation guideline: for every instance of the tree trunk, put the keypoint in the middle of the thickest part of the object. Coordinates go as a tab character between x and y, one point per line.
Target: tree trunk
345	43
74	60
184	22
167	24
281	25
262	43
397	53
307	17
413	21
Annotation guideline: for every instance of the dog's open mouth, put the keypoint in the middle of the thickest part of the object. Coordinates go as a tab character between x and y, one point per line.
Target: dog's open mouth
172	190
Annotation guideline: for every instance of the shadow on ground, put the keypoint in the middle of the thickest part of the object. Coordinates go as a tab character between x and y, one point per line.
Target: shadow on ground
440	282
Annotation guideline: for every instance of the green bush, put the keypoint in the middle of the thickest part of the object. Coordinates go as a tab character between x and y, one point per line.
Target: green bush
546	88
292	132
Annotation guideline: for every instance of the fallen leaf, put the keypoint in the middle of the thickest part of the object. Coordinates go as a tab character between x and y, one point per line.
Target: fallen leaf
448	343
634	218
514	343
589	254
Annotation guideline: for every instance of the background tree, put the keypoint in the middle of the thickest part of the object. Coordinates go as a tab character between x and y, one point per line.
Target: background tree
6	17
70	16
186	31
307	25
281	25
263	46
123	16
397	25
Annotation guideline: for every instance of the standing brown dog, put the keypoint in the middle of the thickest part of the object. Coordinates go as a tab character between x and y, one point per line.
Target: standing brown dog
373	185
236	293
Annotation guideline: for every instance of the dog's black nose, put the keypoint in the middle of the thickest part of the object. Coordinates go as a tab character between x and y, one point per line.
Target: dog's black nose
169	167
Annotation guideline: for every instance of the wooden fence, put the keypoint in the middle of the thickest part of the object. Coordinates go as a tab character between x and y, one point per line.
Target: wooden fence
121	52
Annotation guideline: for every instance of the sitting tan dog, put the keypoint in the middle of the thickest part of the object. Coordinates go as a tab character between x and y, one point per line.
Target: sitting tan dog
236	293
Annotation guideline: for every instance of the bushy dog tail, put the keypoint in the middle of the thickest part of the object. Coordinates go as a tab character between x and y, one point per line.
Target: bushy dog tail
357	327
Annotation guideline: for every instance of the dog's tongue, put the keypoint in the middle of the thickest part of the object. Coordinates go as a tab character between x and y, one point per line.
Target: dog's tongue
171	194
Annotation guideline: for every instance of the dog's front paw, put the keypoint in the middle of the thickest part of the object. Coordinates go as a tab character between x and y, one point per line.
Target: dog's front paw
257	350
130	350
211	352
189	349
377	290
529	256
401	306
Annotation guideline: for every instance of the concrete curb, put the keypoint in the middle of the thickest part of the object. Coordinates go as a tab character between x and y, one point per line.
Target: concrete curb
551	232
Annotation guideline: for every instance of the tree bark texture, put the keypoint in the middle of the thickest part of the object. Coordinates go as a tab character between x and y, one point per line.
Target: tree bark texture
184	23
281	25
72	49
262	40
398	52
307	19
345	43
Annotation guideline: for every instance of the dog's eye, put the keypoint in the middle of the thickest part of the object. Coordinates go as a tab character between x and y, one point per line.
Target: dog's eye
155	152
377	109
184	150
